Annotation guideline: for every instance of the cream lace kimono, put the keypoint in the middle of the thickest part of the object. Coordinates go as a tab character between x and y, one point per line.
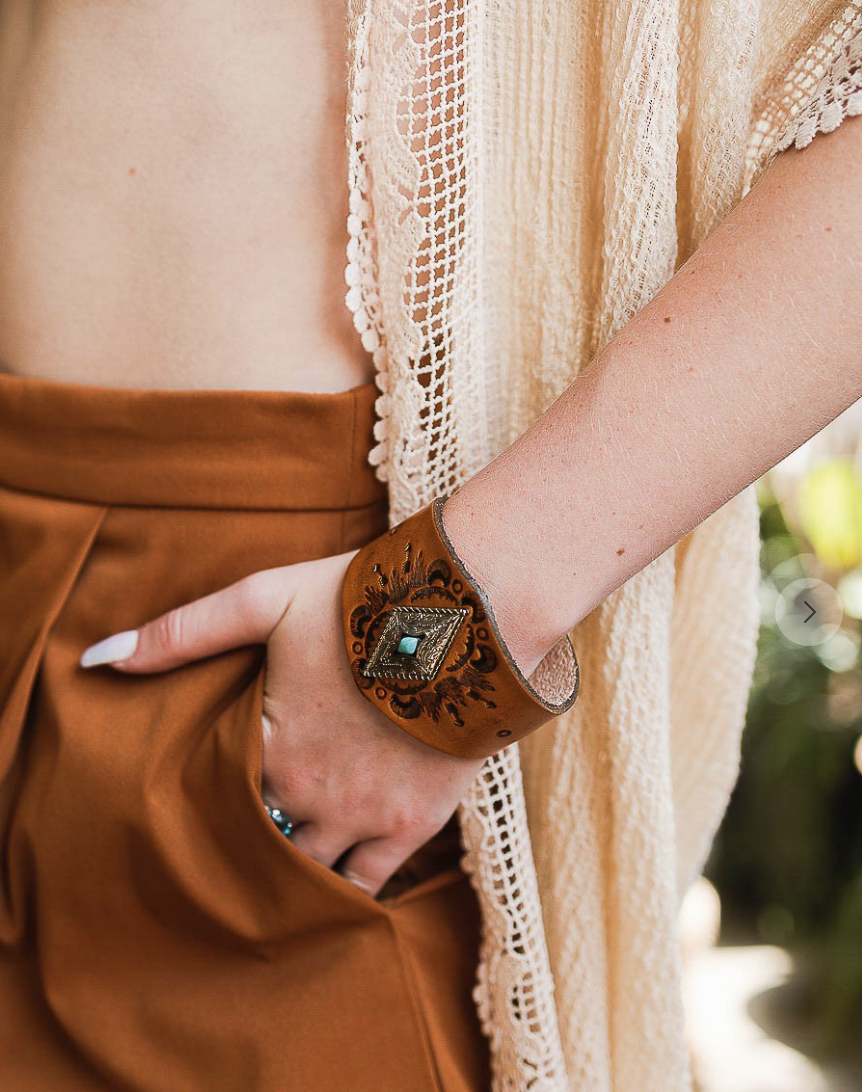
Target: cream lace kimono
525	175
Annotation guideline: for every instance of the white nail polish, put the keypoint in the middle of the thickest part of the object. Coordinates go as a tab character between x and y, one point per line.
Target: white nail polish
119	646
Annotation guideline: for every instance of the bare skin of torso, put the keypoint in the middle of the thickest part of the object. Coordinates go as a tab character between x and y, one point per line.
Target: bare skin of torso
173	194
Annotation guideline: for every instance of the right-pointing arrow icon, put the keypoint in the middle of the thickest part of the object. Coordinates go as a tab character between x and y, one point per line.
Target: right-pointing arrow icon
811	626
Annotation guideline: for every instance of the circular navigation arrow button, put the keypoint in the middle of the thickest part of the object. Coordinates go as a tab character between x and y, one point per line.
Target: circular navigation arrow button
808	611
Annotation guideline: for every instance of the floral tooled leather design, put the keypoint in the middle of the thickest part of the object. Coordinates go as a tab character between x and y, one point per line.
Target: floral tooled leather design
422	599
423	645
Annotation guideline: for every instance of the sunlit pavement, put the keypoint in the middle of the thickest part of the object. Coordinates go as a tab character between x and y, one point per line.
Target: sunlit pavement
726	993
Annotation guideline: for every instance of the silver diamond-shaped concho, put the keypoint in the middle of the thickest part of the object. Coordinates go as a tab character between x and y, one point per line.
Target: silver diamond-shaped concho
434	626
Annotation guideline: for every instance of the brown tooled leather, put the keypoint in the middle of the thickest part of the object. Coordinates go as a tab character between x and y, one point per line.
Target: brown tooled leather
459	691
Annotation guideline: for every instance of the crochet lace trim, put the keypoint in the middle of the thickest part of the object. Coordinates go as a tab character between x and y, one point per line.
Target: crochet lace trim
822	87
838	94
360	274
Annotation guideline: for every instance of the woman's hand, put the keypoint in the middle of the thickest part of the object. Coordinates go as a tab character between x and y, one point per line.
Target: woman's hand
344	773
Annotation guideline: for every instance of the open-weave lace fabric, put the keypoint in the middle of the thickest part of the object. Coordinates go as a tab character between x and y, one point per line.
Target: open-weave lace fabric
525	175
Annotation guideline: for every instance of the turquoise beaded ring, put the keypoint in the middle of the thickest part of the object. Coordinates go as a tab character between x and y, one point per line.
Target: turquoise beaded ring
278	817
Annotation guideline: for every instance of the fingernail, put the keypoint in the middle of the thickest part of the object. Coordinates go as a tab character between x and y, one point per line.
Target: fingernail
117	647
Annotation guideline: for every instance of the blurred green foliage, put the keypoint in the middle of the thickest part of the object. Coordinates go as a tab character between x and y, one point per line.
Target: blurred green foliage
788	857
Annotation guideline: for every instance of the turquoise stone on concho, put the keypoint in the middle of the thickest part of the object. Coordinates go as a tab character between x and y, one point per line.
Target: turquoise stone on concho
414	641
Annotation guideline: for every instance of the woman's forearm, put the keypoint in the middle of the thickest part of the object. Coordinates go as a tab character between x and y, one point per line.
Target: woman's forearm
750	349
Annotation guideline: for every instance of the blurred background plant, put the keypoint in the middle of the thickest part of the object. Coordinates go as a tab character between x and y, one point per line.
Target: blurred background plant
787	861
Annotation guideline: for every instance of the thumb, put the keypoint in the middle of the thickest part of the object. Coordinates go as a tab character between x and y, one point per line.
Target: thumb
243	613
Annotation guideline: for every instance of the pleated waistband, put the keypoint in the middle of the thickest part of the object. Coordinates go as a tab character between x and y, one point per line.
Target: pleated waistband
189	448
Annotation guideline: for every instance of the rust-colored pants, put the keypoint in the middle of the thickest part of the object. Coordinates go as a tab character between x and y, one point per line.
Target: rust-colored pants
157	932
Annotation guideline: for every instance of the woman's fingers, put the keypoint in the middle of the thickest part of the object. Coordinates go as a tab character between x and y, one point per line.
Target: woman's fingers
243	613
374	861
370	863
318	841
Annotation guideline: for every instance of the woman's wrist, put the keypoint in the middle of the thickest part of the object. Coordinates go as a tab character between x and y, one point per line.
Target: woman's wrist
515	597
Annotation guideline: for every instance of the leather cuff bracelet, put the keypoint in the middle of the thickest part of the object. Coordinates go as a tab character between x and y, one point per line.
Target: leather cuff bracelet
424	646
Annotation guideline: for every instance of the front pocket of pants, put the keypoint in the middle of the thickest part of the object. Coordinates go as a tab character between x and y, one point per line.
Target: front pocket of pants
290	855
